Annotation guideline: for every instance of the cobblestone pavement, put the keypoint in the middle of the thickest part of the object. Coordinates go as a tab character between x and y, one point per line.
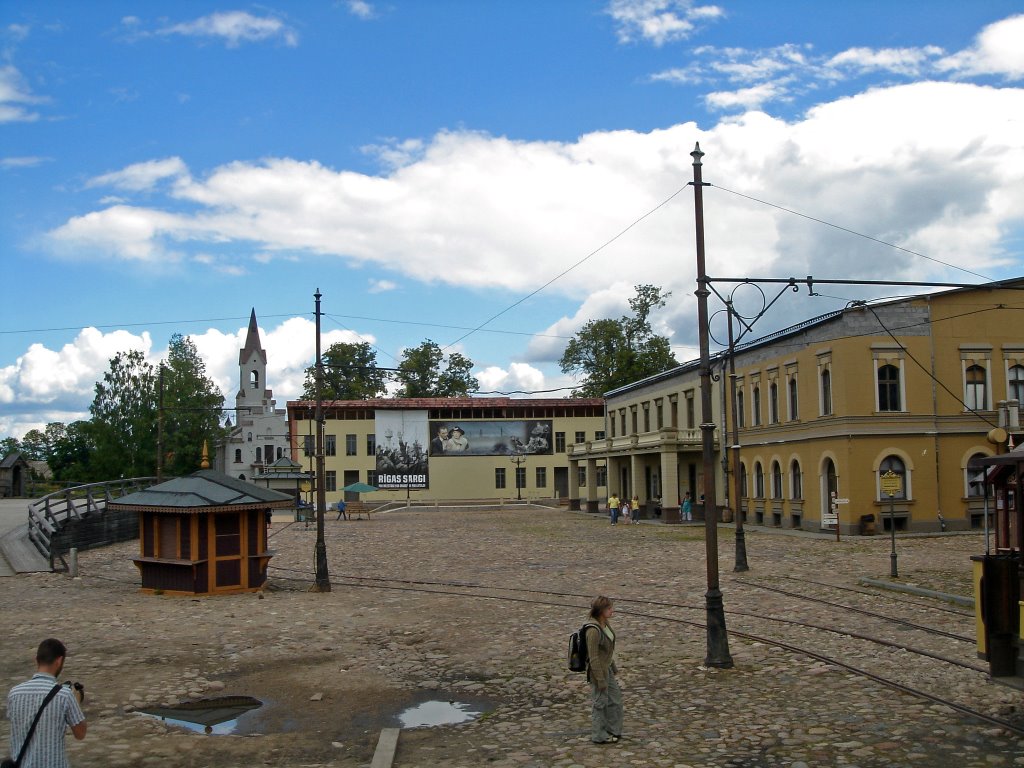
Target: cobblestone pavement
335	668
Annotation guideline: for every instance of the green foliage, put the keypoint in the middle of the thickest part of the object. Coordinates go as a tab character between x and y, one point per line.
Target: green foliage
350	373
192	408
71	449
124	419
35	446
421	374
8	446
607	354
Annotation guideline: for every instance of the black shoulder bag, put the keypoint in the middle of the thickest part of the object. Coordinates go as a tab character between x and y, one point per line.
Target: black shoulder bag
7	762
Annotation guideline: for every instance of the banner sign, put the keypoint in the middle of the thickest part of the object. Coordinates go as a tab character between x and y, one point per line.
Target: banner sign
490	438
402	449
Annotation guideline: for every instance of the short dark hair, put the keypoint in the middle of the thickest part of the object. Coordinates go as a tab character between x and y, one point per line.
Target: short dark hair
50	650
597	607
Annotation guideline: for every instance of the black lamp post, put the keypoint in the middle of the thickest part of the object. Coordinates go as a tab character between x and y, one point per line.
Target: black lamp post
718	638
518	458
323	579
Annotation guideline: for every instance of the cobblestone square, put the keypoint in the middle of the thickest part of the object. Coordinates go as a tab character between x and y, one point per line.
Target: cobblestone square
478	605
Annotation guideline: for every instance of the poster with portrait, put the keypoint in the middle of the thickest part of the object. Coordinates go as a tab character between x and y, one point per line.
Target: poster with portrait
402	440
491	438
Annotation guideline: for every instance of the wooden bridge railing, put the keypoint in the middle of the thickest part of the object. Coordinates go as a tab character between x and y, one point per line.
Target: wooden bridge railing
50	514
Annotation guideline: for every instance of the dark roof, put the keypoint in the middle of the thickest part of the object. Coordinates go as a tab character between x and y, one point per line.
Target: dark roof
252	342
14	457
202	491
399	403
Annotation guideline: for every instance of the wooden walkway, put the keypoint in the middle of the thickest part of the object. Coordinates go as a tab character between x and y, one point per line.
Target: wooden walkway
19	554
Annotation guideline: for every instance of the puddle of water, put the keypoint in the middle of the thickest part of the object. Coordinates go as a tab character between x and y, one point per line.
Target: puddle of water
216	717
434	713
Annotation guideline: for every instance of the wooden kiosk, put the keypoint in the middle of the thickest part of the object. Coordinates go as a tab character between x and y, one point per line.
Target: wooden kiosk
203	534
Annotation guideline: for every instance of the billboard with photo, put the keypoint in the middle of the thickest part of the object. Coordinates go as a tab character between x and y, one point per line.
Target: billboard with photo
490	438
402	440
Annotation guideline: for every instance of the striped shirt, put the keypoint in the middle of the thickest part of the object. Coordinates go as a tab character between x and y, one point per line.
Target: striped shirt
47	747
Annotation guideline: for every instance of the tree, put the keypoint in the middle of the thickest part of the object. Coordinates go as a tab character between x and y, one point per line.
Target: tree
71	449
8	446
350	373
192	407
35	446
421	375
124	419
608	353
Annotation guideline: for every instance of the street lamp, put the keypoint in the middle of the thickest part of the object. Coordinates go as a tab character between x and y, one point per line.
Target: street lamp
717	639
519	458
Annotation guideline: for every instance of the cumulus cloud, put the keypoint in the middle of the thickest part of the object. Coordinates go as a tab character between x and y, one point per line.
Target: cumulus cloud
903	61
16	96
747	98
45	384
998	50
659	21
234	27
519	379
139	177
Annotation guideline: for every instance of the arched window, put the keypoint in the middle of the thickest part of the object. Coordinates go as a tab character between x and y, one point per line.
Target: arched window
740	418
826	392
773	403
238	455
794	411
776	480
888	388
895	465
796	481
248	437
829	485
757	407
254	379
974	381
241	477
758	480
975	479
744	490
1015	390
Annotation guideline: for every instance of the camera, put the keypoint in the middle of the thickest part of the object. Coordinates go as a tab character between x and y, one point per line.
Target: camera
77	689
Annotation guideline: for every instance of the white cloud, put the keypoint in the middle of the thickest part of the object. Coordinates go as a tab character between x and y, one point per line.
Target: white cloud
142	176
520	379
381	286
15	95
361	9
903	61
23	162
235	27
997	50
746	98
659	21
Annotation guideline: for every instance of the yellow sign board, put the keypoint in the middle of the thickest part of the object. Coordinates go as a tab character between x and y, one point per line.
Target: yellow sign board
890	483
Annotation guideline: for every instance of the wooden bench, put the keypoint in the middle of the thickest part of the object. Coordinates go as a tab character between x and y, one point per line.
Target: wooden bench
357	508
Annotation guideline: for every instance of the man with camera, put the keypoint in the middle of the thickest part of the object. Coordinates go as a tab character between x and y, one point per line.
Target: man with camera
40	709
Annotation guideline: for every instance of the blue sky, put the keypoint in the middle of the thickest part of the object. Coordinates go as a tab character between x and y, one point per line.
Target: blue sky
166	166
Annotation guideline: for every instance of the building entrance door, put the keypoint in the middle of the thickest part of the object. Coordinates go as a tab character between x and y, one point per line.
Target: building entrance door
562	482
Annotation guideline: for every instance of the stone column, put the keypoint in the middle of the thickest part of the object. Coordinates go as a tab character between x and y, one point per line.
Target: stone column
574	484
592	499
670	486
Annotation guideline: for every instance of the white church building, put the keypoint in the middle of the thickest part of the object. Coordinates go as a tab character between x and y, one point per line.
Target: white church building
260	434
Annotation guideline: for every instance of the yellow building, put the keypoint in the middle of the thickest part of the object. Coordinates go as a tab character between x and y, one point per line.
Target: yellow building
441	449
828	407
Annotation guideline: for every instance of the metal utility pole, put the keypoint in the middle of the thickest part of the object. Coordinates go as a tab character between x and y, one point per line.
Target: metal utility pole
323	579
741	536
518	458
718	638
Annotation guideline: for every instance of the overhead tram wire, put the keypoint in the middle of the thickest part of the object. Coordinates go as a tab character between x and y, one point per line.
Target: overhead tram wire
567	270
851	231
151	322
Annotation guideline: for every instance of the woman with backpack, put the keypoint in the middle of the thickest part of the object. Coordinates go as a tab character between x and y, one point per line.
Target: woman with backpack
605	694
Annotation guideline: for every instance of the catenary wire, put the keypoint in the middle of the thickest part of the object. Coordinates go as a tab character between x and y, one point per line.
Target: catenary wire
567	270
852	232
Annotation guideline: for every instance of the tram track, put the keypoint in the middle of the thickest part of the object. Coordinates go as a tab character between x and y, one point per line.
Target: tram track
421	586
879	594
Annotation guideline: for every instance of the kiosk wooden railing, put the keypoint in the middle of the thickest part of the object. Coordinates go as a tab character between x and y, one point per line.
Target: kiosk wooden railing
51	515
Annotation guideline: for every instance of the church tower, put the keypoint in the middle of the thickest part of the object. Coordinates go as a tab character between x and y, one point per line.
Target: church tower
253	393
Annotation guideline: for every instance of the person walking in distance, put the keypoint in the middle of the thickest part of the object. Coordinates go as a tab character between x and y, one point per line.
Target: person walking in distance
687	507
45	748
605	694
613	507
634	510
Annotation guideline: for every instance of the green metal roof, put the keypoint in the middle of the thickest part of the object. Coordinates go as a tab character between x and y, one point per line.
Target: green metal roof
205	488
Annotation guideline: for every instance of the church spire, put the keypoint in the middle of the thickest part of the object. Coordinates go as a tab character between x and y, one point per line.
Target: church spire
252	343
